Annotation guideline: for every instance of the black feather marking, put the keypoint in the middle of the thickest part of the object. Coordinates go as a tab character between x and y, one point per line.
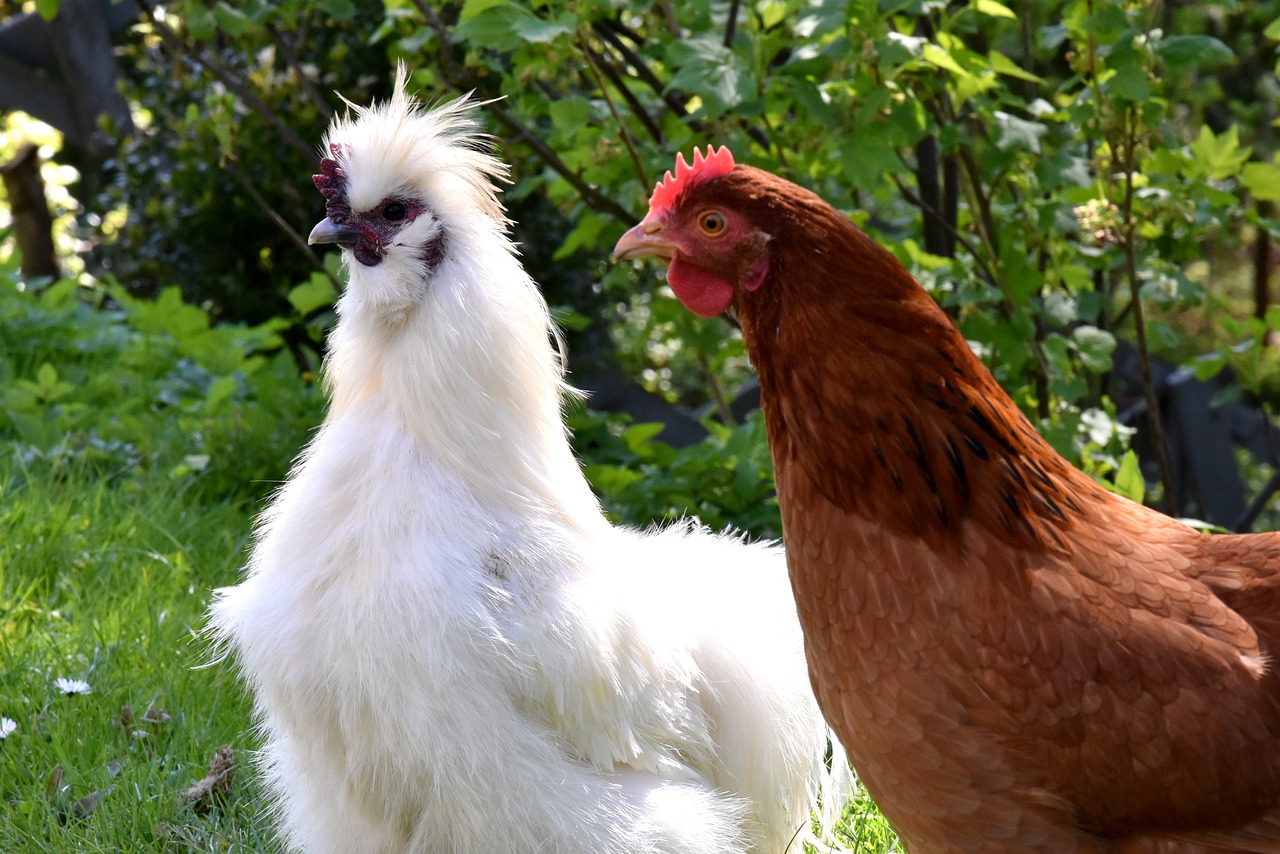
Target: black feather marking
1011	502
1004	522
1039	473
976	448
1014	474
957	466
921	454
978	417
1052	506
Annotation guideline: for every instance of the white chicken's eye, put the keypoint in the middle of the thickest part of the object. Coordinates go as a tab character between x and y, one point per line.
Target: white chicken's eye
394	212
712	223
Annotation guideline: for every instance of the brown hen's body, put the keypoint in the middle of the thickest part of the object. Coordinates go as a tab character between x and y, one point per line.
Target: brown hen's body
1015	658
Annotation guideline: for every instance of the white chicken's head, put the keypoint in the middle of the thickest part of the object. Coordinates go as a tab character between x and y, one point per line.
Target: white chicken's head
400	182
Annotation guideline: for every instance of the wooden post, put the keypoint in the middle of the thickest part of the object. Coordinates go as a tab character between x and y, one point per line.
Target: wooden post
32	223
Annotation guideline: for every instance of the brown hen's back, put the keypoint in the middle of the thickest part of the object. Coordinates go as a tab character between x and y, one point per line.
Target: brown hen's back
1016	659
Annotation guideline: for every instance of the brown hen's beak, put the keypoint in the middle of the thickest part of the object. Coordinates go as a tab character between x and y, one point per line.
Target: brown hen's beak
328	231
643	241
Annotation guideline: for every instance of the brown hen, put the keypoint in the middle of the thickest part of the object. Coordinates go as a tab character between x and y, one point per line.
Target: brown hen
1015	658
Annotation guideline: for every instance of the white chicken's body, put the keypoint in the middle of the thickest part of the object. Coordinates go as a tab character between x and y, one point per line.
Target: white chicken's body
451	650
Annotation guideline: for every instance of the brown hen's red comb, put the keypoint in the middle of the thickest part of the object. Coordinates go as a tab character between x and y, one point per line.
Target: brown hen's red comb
332	183
712	165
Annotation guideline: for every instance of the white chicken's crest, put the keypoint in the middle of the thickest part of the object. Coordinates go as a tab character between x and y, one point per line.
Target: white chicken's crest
401	138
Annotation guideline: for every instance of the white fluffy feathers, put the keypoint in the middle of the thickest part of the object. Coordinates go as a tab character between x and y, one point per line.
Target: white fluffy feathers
451	650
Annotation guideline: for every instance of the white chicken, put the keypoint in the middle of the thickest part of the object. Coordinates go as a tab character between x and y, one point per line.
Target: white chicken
450	648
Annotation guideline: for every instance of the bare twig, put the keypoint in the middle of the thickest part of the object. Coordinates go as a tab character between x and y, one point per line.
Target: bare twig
731	25
610	70
294	237
717	394
291	57
669	16
622	126
593	197
1128	163
978	258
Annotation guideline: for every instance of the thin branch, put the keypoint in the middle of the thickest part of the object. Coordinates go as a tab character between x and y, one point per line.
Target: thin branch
731	26
291	57
669	15
606	32
226	78
978	258
294	237
1154	422
626	133
593	197
611	71
449	68
674	100
717	394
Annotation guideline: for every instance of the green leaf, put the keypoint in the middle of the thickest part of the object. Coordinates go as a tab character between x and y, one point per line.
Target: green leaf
341	10
570	115
993	9
232	21
710	70
1187	53
535	30
1130	82
48	9
201	24
638	435
1014	133
1273	30
1094	347
220	390
1262	180
1129	481
316	292
1002	64
473	8
1217	156
503	26
940	58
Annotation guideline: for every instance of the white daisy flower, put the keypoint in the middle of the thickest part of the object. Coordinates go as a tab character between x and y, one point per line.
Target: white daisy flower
71	686
7	725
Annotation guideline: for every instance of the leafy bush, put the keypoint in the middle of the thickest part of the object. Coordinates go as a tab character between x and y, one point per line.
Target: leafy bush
95	377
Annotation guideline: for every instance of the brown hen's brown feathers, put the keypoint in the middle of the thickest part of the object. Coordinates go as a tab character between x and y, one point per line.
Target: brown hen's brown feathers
1016	659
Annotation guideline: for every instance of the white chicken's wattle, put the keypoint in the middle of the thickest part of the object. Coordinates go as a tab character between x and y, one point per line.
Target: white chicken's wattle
450	648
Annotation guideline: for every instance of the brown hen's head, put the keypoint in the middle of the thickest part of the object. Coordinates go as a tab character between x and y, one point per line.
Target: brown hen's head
726	230
711	247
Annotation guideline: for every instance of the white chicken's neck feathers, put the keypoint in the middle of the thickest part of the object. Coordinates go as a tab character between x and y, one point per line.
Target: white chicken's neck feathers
461	354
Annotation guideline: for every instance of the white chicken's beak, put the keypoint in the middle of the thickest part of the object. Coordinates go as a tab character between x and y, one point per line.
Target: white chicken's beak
643	241
328	231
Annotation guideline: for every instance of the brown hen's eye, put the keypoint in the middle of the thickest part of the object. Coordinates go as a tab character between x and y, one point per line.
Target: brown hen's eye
711	223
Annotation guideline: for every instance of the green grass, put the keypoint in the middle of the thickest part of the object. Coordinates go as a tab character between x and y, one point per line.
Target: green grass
106	581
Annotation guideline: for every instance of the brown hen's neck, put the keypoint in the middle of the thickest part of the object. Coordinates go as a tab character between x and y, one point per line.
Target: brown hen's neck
872	391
